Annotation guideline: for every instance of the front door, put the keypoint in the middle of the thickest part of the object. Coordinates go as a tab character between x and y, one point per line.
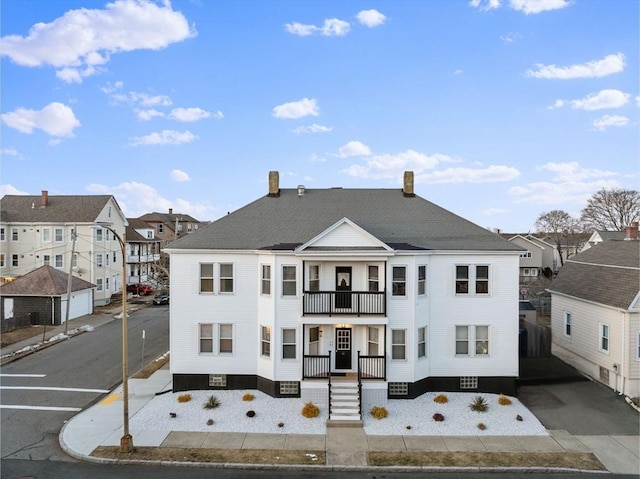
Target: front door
343	287
343	348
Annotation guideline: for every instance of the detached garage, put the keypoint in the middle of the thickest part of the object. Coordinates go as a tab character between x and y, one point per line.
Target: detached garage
40	297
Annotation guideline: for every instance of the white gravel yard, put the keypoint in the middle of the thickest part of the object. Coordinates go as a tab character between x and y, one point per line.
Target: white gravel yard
230	416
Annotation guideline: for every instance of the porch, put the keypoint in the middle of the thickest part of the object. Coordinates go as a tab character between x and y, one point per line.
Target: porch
354	303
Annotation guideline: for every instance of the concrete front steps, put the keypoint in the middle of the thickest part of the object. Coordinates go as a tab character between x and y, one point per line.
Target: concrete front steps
345	404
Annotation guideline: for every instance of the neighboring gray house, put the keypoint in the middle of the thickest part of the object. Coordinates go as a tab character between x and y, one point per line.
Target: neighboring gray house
603	235
595	314
40	297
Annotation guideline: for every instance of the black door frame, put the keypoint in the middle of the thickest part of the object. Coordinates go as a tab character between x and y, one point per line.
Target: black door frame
343	287
344	356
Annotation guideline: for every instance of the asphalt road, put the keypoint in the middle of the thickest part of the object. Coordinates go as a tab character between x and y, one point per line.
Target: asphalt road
43	390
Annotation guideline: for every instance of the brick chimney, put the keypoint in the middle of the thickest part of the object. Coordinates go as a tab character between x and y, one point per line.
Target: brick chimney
44	199
170	211
407	189
631	232
274	184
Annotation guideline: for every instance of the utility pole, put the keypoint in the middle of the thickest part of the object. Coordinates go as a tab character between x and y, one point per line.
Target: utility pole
73	250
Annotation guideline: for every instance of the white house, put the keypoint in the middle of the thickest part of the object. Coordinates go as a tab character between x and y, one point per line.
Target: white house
305	285
595	314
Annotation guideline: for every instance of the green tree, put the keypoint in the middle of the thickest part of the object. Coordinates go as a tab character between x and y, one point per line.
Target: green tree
612	210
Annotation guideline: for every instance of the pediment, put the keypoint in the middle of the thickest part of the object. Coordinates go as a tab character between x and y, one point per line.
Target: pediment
344	235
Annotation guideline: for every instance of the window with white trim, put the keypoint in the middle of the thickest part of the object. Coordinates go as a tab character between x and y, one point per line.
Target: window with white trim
472	279
477	335
59	261
604	337
1	260
46	235
14	260
160	227
205	337
106	283
398	344
314	340
106	259
288	343
99	260
422	279
46	260
374	281
289	281
525	254
422	342
206	277
482	279
58	235
399	281
314	277
99	234
462	279
3	233
567	323
373	345
14	234
225	340
99	284
265	280
226	278
265	341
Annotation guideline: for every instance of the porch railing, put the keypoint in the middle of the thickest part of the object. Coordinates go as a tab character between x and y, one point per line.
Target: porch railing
316	367
372	367
360	303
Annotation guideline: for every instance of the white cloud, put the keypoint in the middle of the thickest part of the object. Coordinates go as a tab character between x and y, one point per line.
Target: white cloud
510	38
296	109
597	101
490	174
525	6
10	190
188	114
594	69
179	175
572	171
82	39
145	99
332	27
494	211
371	18
354	148
8	152
55	119
136	199
164	137
610	120
110	88
391	167
315	128
146	115
218	115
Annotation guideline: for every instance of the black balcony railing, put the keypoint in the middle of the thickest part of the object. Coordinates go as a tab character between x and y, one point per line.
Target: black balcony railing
372	367
358	303
316	367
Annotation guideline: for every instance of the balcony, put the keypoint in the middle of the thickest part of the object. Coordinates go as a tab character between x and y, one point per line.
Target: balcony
345	303
143	258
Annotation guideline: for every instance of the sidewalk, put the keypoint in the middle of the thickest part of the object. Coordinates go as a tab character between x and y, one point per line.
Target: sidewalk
346	448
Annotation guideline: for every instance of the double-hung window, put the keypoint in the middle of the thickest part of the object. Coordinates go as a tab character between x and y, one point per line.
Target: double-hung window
14	260
374	280
206	277
226	278
46	260
372	341
99	284
99	260
225	342
399	281
1	260
472	279
422	279
14	234
422	342
468	335
265	280
398	344
604	337
482	279
288	344
482	340
206	337
314	277
46	235
462	279
99	234
567	324
289	281
58	235
3	234
265	341
59	261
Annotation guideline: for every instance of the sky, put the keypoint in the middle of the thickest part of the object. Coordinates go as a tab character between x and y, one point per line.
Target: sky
503	109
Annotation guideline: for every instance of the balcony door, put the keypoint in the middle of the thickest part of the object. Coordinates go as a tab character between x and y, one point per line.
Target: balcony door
343	287
343	348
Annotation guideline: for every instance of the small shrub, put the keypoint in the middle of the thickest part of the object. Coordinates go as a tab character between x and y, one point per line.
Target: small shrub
280	424
479	404
310	410
184	398
209	422
518	417
379	412
504	400
437	417
212	403
248	397
441	399
251	413
481	426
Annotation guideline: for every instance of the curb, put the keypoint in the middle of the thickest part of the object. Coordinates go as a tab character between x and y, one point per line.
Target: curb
11	357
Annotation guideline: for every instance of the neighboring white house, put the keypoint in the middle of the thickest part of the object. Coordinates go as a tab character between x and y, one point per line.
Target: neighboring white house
39	230
531	258
382	285
595	314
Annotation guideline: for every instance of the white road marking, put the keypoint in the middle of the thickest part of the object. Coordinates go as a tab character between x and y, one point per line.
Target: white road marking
40	408
22	375
36	388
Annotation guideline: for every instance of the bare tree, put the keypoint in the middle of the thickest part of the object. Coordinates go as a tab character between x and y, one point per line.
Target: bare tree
561	227
612	209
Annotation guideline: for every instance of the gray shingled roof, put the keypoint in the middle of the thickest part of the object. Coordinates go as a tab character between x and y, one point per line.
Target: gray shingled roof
133	236
60	208
607	273
288	220
44	281
612	235
167	218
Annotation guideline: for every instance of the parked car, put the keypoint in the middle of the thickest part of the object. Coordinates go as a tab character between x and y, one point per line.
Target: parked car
161	299
139	289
